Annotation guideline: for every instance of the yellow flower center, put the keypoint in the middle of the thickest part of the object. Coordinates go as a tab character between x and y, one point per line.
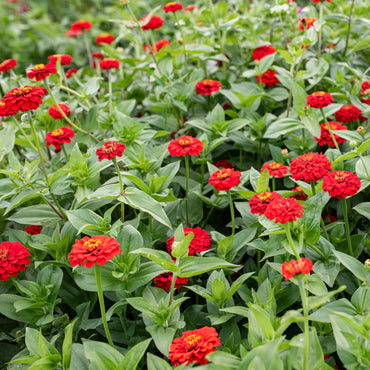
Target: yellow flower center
224	173
38	67
186	141
21	91
341	175
92	243
57	132
109	148
274	165
4	253
191	339
319	93
264	197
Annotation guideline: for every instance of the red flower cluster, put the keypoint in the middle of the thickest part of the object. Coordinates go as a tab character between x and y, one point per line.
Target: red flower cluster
104	38
58	137
207	87
325	137
259	202
7	64
41	71
65	59
310	167
108	63
55	113
97	55
299	194
268	78
348	113
223	164
292	268
70	72
172	7
194	346
110	149
154	23
262	51
185	145
275	169
306	23
164	281
317	1
225	179
341	184
201	241
80	25
33	229
319	99
284	210
158	46
190	7
13	259
365	92
329	219
99	249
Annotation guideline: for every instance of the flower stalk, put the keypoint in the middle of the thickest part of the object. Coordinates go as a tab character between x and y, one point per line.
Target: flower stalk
346	222
290	239
187	175
302	291
232	212
122	190
330	131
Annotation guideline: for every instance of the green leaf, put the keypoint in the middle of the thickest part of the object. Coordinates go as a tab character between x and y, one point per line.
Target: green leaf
67	345
281	127
99	353
157	363
86	221
263	181
221	358
49	362
161	258
162	337
40	214
134	355
299	98
362	44
341	305
357	268
7	139
260	327
363	209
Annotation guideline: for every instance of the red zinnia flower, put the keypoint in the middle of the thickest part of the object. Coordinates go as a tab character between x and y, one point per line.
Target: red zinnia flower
3	111
329	219
194	346
292	268
58	137
7	64
259	202
98	248
161	43
223	164
225	179
13	259
185	145
299	194
55	113
104	38
154	22
190	7
110	149
207	87
70	72
365	91
275	169
268	78
317	1
65	59
284	210
172	7
81	25
341	184
262	52
72	33
201	241
41	71
319	99
33	229
348	113
325	137
164	281
97	55
108	63
306	23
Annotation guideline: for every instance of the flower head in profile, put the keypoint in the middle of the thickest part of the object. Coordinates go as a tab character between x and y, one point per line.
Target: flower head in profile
33	229
14	257
161	44
207	87
319	99
262	51
223	164
172	7
185	145
109	63
65	59
292	268
275	169
81	25
98	248
164	281
110	149
154	23
284	210
73	33
190	7
299	194
41	71
364	94
306	23
268	78
348	113
71	72
225	179
58	137
7	64
55	113
325	137
341	184
104	38
259	202
194	346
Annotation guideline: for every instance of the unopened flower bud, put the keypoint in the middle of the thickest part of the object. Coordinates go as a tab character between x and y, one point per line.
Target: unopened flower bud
361	130
124	2
284	152
353	144
367	265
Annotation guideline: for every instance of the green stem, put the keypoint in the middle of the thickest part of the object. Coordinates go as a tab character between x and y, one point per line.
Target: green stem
77	94
65	152
183	43
329	128
290	239
231	212
317	250
321	220
187	188
349	28
302	292
87	46
273	184
110	90
202	176
283	31
24	134
345	214
101	304
259	255
173	283
122	191
365	167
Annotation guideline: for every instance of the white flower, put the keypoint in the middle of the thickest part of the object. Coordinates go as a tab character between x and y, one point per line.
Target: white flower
280	9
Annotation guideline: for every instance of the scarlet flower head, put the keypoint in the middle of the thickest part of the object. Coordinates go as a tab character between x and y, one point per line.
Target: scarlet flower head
268	78
70	72
33	229
81	25
262	51
207	87
223	164
310	167
97	55
201	241
275	169
317	1
325	137
73	33
104	38
319	99
154	23
13	259
56	114
194	346
65	59
98	248
329	219
292	268
58	137
306	23
41	71
161	44
348	113
341	184
299	194
365	92
110	149
7	64
164	281
190	7
172	7
185	145
284	210
108	63
259	202
225	179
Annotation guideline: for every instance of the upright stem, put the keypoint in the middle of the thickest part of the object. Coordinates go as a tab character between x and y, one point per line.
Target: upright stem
101	304
65	152
110	90
321	220
187	188
329	128
283	31
87	46
349	28
231	212
273	184
290	239
24	134
114	159
183	43
345	214
302	292
173	283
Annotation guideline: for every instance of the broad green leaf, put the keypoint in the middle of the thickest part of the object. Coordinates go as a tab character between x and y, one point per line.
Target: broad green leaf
40	214
363	209
7	139
67	345
162	337
86	221
134	355
263	181
281	127
356	267
157	363
161	258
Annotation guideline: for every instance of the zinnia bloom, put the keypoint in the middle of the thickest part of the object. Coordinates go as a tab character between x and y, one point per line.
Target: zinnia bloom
262	51
268	78
317	1
98	248
341	184
259	202
161	44
207	87
70	72
97	55
108	63
194	346
306	23
185	145
13	259
154	22
55	113
348	113
58	137
319	99
73	33
284	210
164	281
310	167
225	179
33	229
110	149
190	7
65	59
81	25
299	194
365	91
104	38
41	71
223	164
329	219
292	268
275	169
172	7
201	241
325	137
7	64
